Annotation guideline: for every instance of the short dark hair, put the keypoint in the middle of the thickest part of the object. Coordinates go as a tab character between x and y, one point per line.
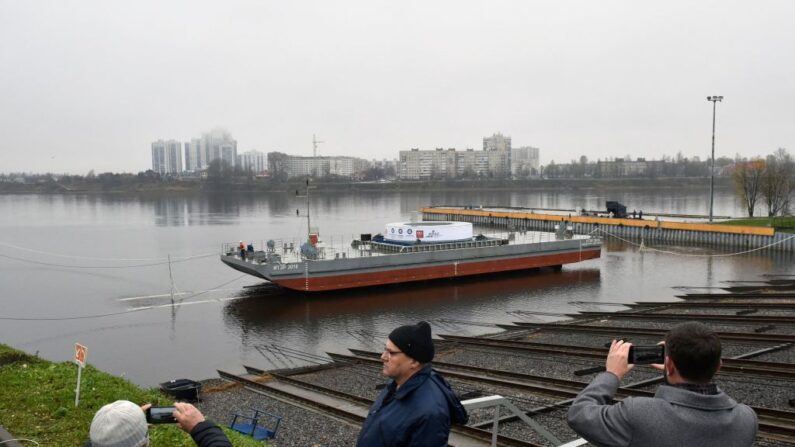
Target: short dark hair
695	350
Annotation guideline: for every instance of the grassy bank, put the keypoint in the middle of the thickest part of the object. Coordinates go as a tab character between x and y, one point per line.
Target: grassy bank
37	402
782	224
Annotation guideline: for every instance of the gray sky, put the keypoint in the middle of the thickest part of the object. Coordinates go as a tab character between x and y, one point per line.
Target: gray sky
90	84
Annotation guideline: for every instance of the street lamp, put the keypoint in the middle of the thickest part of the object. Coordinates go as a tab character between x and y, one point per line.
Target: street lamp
714	100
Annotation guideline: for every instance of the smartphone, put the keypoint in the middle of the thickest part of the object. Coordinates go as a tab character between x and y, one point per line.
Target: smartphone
646	355
160	415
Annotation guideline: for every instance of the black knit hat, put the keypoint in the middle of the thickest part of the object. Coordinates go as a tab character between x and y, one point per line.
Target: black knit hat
415	341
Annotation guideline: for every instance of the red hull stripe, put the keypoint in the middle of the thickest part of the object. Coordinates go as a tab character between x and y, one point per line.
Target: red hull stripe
347	281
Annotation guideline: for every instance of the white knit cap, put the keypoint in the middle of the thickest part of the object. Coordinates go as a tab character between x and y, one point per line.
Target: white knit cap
120	424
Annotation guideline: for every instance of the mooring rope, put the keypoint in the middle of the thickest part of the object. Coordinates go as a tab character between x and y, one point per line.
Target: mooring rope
137	309
94	258
104	267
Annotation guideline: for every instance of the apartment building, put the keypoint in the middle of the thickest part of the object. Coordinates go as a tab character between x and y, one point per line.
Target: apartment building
253	161
166	157
525	161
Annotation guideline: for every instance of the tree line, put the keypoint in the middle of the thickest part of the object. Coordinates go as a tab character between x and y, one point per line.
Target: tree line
768	180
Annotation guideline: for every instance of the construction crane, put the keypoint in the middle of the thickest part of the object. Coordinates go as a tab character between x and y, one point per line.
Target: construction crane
314	145
314	153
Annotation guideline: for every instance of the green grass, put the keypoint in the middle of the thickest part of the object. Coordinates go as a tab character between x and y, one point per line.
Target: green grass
37	401
782	224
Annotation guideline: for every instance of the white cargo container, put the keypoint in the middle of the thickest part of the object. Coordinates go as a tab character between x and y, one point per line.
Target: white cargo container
428	232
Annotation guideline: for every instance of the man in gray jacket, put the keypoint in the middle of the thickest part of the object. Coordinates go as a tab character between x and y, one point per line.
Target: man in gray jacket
688	409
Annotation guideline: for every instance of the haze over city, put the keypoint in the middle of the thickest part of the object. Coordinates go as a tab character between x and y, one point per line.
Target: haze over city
89	85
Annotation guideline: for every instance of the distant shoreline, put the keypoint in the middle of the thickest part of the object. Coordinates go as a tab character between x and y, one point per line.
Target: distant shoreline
249	186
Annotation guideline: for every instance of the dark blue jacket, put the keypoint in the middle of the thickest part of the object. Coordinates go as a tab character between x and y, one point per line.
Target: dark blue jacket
207	434
419	413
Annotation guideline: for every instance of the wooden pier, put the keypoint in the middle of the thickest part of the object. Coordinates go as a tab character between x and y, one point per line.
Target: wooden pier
684	233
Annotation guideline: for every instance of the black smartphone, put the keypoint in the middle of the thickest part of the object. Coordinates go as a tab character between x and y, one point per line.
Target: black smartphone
160	415
646	355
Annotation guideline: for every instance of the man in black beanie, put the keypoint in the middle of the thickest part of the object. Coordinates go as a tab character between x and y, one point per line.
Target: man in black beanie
417	406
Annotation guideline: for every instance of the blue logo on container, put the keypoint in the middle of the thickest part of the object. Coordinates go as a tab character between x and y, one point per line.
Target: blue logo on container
408	231
400	231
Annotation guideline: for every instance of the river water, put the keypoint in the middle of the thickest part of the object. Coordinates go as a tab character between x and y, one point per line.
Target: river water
94	270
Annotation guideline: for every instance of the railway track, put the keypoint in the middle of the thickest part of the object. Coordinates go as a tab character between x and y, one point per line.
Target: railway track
740	366
785	287
720	296
619	331
710	305
547	386
761	319
349	407
773	423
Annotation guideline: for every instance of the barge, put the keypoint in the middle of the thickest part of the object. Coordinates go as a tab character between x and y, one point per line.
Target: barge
407	252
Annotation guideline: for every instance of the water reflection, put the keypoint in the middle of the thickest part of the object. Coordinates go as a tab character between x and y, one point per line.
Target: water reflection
195	340
484	298
225	209
647	199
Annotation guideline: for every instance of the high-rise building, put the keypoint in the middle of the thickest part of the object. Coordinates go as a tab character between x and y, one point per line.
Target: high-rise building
253	161
471	163
427	164
499	148
194	156
285	166
228	153
418	164
166	157
213	145
497	142
525	162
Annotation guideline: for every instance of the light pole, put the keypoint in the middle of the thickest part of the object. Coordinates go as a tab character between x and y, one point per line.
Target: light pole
714	100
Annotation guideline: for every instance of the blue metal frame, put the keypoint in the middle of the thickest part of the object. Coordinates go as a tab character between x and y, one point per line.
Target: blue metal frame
255	429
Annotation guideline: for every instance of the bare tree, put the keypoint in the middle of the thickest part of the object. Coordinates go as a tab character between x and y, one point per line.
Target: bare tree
747	177
777	182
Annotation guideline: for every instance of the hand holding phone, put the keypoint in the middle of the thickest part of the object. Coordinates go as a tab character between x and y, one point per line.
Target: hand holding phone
160	415
646	355
616	362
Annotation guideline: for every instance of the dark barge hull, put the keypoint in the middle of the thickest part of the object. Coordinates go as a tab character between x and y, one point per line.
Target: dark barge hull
336	274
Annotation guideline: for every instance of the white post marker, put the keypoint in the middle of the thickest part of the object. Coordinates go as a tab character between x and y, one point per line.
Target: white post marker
80	358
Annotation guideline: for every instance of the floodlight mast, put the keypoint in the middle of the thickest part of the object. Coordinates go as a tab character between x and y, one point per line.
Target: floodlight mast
714	100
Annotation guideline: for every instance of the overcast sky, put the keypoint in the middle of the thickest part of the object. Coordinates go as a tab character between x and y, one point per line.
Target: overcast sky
90	84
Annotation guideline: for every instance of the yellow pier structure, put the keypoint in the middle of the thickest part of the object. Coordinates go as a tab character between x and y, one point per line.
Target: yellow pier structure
641	229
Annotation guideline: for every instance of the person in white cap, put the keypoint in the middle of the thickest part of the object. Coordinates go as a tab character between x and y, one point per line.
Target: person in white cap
119	424
123	424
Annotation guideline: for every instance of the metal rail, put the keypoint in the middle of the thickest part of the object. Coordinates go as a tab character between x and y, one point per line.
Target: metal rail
734	366
565	388
616	331
281	395
718	296
761	319
543	385
789	285
711	305
773	423
474	433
